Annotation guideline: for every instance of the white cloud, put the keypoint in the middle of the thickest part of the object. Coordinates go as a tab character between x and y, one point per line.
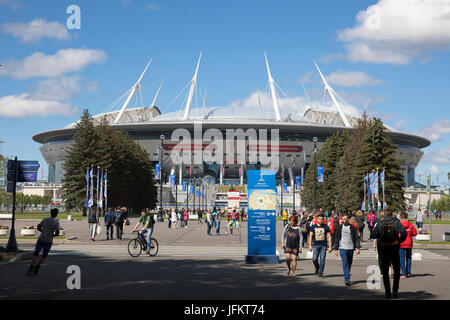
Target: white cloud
35	30
398	31
441	156
92	86
153	7
352	79
57	89
435	132
434	170
23	105
13	4
41	65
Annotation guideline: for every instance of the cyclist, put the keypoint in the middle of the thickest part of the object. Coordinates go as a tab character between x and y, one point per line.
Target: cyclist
148	223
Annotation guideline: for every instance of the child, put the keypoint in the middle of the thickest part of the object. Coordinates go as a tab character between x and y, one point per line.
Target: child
231	226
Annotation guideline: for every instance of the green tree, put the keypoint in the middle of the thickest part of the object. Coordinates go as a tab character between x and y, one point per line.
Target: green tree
377	152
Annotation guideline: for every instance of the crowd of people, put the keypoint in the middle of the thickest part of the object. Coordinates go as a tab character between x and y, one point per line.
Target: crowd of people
323	232
211	217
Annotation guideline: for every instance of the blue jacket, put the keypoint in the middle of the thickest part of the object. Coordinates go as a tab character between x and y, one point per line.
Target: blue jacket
109	218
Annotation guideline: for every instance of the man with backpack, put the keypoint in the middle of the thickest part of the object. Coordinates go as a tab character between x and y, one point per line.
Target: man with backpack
389	233
109	222
119	221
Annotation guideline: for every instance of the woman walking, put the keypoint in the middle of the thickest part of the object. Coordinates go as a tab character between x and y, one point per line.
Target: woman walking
208	222
174	219
290	241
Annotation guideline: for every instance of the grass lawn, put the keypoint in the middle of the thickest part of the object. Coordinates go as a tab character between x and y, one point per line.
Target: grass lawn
31	237
433	221
40	216
433	242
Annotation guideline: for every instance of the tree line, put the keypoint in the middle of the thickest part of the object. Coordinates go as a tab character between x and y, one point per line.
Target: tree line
130	171
346	157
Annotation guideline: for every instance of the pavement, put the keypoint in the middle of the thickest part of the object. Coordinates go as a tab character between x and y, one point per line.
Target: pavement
192	265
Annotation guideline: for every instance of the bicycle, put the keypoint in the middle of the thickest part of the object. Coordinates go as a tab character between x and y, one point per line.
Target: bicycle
137	245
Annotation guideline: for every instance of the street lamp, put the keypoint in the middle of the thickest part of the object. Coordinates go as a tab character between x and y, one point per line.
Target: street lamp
315	171
282	186
160	215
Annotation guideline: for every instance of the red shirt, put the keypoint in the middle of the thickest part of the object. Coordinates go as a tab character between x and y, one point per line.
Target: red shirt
411	231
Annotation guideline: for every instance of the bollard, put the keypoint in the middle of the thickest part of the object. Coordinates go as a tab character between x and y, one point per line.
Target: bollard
417	257
69	217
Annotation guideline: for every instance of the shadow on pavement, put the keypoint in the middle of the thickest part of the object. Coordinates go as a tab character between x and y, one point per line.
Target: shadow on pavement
174	279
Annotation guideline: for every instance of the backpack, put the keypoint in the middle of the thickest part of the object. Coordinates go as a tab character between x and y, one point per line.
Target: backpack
109	218
303	227
389	235
118	218
152	219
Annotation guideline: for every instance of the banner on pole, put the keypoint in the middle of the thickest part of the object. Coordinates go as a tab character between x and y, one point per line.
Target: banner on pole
157	171
298	182
320	177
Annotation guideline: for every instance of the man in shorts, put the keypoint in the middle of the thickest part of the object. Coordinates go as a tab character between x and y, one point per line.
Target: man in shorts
49	228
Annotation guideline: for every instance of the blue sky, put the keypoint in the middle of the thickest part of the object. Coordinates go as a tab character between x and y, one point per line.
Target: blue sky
388	57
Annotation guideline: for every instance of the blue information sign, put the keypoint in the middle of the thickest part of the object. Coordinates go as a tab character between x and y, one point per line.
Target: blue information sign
320	177
27	171
262	201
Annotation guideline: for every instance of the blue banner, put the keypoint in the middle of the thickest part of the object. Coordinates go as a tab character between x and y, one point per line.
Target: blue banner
262	202
157	171
298	182
285	187
320	177
191	190
172	180
184	186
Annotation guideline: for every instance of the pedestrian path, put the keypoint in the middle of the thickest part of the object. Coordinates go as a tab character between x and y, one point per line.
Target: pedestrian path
115	251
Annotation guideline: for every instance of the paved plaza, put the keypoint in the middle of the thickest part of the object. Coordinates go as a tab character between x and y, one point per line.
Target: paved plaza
192	265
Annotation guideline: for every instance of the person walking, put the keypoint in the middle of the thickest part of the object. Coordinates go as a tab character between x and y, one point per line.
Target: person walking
109	223
291	240
389	234
233	217
126	221
219	216
200	215
405	251
173	219
119	222
230	227
346	242
208	222
360	221
182	218
319	237
304	229
285	218
186	218
93	223
49	228
419	220
371	218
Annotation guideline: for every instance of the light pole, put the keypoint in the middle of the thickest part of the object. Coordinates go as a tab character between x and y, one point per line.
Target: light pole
160	215
282	187
315	172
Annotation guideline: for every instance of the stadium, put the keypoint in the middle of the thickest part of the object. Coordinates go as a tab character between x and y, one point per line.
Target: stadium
296	133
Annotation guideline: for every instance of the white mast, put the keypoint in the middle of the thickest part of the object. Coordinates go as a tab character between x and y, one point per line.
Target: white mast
130	96
333	97
191	92
157	93
272	89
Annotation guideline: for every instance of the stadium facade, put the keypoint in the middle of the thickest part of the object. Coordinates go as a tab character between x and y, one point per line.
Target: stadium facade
289	136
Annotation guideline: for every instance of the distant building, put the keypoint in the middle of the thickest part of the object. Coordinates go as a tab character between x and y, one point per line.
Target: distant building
55	191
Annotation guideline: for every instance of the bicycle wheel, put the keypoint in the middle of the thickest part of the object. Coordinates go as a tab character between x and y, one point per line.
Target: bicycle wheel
154	246
134	248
